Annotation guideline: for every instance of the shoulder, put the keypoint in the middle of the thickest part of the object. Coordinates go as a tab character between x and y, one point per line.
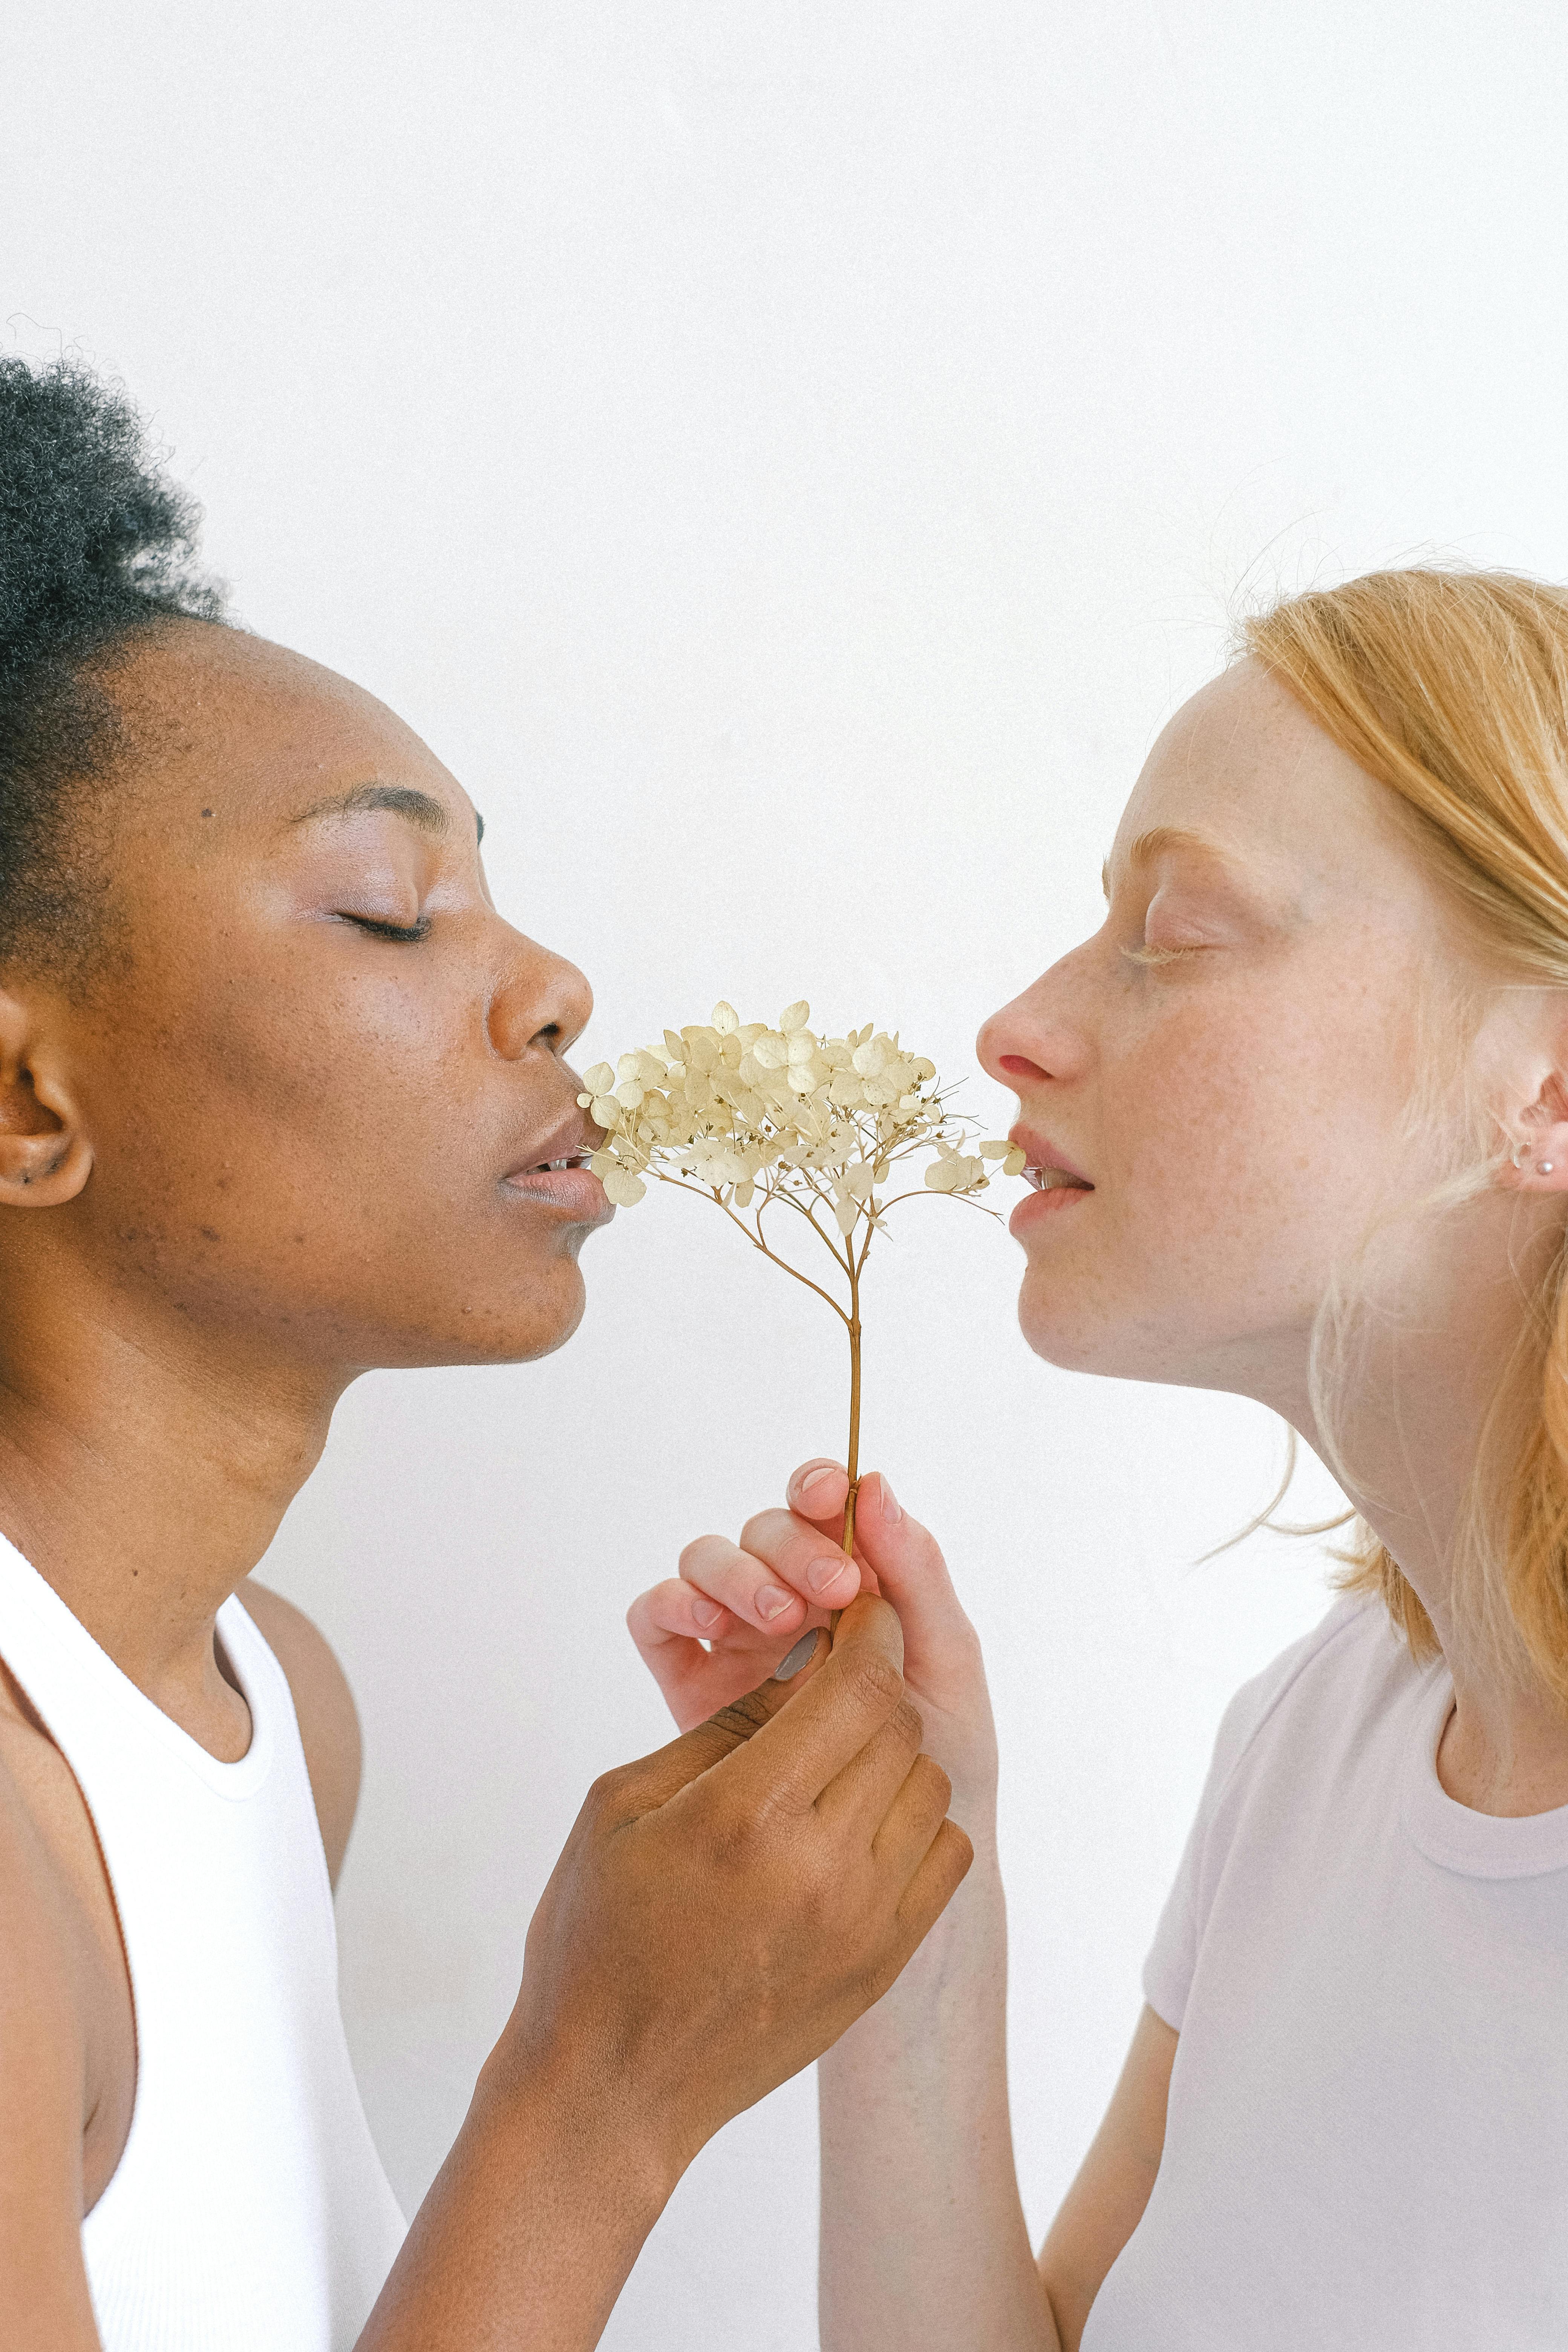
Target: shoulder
329	1721
51	2078
1353	1637
1276	1746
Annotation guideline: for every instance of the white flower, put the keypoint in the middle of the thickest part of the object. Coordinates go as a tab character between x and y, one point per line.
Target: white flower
755	1117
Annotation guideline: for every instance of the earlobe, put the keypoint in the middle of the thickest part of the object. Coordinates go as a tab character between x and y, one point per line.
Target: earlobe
45	1158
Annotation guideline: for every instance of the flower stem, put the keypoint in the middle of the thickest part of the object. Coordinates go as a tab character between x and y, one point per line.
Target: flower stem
853	1463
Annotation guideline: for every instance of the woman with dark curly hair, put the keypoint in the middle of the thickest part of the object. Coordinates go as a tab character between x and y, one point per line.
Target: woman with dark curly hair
282	1097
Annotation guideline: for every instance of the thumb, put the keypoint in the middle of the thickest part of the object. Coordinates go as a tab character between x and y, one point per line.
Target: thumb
661	1775
909	1570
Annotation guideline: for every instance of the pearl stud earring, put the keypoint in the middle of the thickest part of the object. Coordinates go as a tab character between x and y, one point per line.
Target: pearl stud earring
1546	1167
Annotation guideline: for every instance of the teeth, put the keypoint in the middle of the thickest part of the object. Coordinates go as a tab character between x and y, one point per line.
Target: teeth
1056	1179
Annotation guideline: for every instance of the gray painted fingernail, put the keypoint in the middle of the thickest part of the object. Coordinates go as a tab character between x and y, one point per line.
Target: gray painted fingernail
796	1658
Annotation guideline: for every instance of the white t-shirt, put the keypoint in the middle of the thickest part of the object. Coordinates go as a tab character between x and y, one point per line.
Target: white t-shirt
1367	2142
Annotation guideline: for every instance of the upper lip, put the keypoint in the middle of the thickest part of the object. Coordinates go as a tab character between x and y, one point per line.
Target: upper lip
1041	1156
572	1138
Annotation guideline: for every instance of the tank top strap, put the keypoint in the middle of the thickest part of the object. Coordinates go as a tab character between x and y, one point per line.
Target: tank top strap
249	2209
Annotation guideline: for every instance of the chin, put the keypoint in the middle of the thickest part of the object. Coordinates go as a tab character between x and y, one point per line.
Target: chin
550	1321
516	1330
1079	1337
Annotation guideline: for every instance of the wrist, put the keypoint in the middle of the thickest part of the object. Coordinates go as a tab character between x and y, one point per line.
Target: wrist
576	2114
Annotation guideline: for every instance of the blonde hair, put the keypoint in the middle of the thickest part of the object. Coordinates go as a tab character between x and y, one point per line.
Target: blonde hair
1450	688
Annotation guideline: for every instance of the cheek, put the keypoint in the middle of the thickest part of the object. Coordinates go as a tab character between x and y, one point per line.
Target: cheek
1246	1119
1246	1138
258	1104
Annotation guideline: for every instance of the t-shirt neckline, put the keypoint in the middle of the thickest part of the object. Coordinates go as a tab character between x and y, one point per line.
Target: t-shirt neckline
1479	1845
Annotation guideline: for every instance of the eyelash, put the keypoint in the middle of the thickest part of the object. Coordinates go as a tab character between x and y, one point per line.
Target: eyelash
1155	956
406	934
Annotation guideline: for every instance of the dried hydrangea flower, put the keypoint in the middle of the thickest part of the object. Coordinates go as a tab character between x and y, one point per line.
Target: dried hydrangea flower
754	1117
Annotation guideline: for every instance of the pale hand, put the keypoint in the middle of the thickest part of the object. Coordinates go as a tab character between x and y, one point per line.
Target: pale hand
752	1601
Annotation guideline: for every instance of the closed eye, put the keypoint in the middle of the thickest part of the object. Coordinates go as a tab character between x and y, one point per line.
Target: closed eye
408	933
1155	956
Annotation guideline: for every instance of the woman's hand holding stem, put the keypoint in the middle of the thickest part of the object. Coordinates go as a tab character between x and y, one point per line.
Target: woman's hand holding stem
644	2023
923	2237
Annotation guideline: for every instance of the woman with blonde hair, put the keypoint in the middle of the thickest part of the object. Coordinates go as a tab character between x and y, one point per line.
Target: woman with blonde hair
1296	1119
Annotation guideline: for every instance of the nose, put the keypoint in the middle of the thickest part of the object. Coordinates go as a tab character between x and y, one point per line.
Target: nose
541	1002
1036	1038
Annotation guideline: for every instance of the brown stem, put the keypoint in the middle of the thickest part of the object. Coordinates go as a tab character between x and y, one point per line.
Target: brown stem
853	1463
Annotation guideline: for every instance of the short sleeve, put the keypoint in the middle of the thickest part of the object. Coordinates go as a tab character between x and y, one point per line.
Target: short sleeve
1173	1954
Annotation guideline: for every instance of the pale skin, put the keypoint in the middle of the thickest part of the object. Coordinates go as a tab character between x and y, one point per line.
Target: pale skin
298	1122
1225	1065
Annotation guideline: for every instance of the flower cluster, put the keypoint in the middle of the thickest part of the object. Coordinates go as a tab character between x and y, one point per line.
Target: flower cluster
742	1110
749	1115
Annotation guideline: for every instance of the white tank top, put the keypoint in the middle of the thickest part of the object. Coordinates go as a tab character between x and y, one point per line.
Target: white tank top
250	2211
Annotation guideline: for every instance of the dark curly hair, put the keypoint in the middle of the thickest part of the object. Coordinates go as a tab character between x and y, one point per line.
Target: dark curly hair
96	545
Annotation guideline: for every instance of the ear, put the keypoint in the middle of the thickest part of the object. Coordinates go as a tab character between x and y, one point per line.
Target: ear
1537	1158
45	1158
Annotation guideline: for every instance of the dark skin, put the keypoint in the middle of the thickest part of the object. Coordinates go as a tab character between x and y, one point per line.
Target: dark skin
294	1128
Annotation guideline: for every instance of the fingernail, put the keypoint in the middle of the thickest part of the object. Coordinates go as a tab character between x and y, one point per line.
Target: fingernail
707	1613
892	1509
819	1478
826	1572
773	1601
793	1661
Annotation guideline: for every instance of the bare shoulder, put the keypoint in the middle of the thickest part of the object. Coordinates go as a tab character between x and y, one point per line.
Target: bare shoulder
329	1721
45	2067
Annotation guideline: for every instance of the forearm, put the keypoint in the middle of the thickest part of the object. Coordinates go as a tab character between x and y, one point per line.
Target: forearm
924	2247
528	2231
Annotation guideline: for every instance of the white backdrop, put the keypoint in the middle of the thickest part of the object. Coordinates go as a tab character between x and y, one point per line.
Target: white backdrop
789	460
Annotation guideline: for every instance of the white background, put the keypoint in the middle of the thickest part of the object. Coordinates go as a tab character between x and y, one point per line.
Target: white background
789	459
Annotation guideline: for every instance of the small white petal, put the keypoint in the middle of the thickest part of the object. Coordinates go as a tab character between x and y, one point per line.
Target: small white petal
795	1016
606	1111
600	1079
726	1019
625	1190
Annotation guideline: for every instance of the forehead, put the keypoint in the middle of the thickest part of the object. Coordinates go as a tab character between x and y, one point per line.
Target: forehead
243	728
1244	765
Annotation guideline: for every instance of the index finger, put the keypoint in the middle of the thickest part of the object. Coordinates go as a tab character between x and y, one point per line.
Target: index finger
847	1702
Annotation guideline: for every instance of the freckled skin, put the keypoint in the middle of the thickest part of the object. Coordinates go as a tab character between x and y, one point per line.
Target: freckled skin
1238	1108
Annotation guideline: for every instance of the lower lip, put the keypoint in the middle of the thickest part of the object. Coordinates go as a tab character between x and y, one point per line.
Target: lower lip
575	1192
1036	1205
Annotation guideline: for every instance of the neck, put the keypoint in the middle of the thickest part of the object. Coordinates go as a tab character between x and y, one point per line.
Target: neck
1407	1434
144	1473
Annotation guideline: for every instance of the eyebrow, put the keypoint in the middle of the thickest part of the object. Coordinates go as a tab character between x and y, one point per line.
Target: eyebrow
420	808
1156	842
